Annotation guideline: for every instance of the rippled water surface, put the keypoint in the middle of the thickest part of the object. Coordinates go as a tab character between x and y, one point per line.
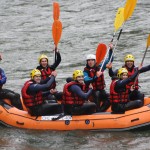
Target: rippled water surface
25	33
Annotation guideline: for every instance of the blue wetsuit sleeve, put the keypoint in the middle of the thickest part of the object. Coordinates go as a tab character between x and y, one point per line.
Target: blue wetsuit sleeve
77	90
106	61
87	78
45	81
112	73
144	69
122	83
34	88
3	77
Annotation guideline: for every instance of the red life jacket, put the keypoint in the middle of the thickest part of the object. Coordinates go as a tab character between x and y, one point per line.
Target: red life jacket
99	83
71	98
46	73
115	97
130	73
30	100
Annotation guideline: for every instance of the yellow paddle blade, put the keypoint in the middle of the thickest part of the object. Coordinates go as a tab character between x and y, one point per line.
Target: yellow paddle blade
148	41
56	11
56	31
119	18
129	8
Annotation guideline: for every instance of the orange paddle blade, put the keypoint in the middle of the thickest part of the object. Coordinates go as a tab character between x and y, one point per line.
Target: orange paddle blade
100	53
56	31
56	11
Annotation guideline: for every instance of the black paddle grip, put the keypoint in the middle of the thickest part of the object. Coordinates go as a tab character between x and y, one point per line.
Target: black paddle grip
119	34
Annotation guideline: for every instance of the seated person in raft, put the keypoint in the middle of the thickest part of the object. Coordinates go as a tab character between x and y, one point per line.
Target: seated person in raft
119	93
75	98
34	91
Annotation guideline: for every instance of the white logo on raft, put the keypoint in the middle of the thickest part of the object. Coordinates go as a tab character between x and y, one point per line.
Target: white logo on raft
52	117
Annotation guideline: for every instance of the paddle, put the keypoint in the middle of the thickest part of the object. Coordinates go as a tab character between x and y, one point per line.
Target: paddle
56	11
56	27
118	20
56	32
148	44
129	8
117	24
100	53
128	11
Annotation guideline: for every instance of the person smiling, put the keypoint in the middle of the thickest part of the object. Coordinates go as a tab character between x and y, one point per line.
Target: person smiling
34	91
46	71
129	65
75	97
95	76
119	92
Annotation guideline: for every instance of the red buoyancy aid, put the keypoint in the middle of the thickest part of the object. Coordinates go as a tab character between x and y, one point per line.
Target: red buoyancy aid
99	83
71	98
130	73
115	97
30	100
46	73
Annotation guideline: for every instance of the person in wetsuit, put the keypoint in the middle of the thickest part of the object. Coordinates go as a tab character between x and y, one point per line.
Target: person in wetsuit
93	75
75	97
46	71
129	65
35	90
119	93
8	94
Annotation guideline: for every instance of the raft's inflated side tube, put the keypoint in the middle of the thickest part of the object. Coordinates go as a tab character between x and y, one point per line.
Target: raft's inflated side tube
130	120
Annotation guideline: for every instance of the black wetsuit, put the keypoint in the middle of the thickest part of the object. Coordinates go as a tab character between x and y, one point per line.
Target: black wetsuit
86	108
121	86
45	108
57	95
136	94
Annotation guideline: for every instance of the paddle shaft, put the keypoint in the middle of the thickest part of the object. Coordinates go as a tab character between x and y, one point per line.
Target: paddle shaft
141	64
113	49
128	10
118	23
144	55
104	60
55	57
116	42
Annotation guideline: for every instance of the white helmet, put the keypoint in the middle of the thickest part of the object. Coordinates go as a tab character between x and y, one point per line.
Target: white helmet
90	56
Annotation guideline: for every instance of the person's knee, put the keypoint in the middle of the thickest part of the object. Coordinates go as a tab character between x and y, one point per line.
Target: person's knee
139	103
51	97
15	100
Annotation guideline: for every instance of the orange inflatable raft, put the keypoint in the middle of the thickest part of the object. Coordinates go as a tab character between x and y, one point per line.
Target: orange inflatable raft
130	120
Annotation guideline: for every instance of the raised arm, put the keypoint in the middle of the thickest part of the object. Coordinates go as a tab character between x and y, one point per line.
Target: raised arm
57	62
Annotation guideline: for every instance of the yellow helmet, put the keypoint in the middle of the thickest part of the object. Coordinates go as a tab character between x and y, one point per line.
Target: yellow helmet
41	57
121	71
77	73
35	72
129	57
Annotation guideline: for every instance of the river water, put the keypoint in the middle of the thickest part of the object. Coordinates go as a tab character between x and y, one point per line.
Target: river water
25	33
